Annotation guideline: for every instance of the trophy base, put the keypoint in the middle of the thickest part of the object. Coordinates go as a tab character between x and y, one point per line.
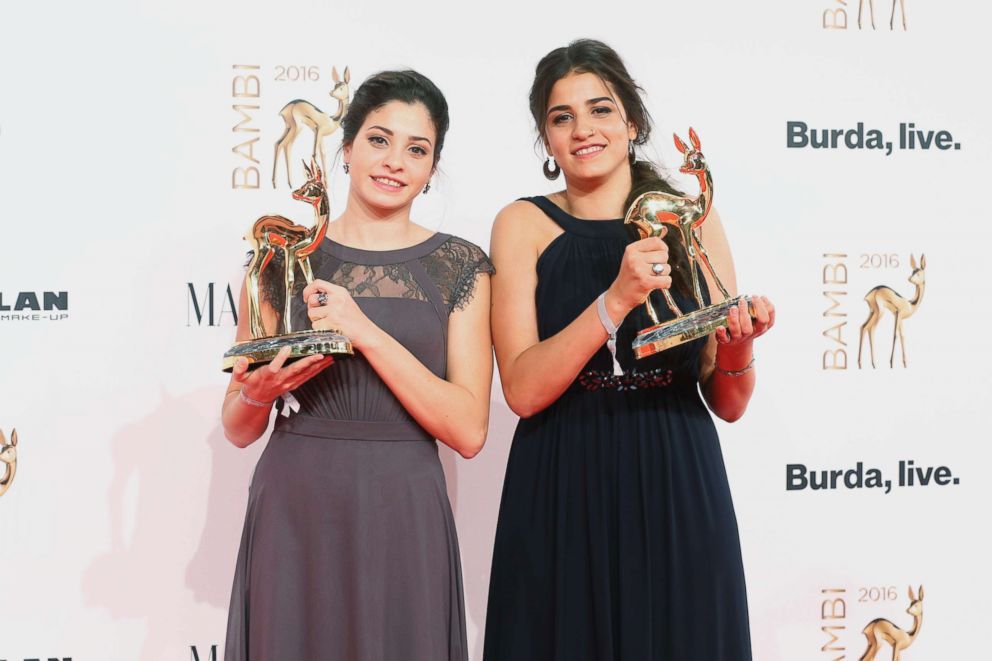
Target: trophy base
685	328
263	350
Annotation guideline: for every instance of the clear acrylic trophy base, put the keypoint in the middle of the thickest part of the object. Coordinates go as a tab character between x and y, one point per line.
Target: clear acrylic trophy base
263	350
686	328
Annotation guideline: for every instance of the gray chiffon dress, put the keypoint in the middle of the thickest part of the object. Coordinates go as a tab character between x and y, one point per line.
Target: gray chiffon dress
349	548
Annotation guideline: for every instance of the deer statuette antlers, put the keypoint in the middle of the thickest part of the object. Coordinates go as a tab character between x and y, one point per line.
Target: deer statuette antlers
883	298
651	211
881	630
300	113
8	457
271	233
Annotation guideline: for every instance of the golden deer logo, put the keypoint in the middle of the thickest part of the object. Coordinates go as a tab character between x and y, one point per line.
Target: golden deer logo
881	630
299	113
8	457
296	242
883	298
892	19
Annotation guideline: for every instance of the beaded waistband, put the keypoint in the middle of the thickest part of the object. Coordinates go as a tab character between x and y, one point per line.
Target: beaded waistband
632	380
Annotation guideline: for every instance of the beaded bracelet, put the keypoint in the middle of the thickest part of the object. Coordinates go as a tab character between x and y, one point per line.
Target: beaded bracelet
252	402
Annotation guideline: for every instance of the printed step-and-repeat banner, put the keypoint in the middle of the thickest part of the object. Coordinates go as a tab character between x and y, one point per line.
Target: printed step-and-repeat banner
849	146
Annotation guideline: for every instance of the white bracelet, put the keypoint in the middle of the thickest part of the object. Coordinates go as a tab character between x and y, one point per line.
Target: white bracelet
252	402
611	329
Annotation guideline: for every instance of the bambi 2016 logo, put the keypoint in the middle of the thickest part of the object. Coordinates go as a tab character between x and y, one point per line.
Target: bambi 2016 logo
883	638
893	305
296	115
881	299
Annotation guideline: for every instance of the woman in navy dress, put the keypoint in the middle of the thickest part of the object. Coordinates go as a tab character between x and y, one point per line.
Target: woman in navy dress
617	539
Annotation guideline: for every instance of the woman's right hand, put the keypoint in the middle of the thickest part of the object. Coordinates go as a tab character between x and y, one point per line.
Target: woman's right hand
269	382
636	279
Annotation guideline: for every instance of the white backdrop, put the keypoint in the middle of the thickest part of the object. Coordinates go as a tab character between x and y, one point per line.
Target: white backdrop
119	532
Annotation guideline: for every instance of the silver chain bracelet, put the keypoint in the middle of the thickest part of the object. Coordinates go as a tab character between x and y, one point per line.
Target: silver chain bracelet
740	372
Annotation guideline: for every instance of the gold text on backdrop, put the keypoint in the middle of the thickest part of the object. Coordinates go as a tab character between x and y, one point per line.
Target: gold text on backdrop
246	88
833	611
835	291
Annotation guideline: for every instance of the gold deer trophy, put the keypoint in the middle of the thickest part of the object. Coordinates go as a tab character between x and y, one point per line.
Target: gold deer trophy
881	630
271	235
882	298
8	457
299	113
650	214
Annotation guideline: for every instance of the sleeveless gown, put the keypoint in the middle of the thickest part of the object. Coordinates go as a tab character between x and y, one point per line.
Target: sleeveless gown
617	539
349	549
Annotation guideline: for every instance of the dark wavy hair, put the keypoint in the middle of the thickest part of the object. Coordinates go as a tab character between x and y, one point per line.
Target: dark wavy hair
376	91
407	86
595	57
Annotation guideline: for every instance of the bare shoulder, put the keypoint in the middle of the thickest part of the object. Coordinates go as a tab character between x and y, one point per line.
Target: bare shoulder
713	218
521	225
519	215
421	233
712	231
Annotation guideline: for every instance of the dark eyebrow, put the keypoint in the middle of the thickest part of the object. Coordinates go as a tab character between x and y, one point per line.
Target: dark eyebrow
390	133
590	102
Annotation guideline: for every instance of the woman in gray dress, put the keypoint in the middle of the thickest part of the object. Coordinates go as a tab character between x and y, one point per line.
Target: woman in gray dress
349	549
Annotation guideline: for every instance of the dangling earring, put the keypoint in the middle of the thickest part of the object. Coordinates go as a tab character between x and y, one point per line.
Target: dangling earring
346	168
631	156
551	168
427	187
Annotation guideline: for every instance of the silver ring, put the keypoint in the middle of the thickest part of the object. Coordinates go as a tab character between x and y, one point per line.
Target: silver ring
322	298
658	269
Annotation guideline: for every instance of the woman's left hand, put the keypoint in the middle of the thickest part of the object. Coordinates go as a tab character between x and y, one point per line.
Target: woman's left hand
741	328
331	307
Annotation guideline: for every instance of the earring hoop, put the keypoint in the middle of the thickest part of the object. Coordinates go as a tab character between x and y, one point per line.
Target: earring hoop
551	168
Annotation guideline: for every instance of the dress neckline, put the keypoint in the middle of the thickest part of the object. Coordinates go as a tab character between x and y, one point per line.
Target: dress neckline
382	257
611	228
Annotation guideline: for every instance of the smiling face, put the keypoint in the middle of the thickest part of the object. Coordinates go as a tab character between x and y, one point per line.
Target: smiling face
586	130
392	156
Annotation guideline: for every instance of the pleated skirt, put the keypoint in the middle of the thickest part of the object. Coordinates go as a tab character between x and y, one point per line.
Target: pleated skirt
349	549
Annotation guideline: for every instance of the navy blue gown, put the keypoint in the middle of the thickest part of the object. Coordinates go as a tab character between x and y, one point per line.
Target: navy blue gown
617	539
